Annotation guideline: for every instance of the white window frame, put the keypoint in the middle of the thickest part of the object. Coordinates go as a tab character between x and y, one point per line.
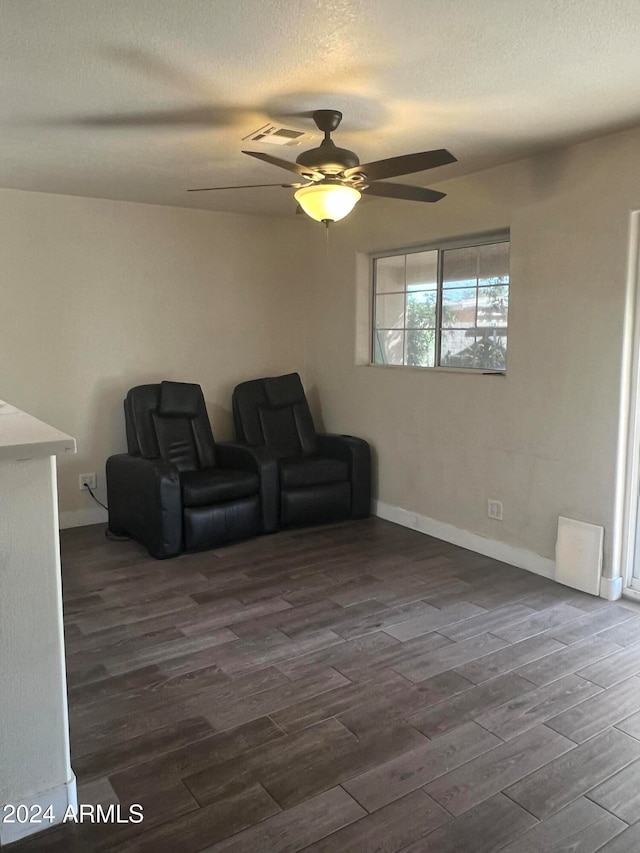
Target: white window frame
502	236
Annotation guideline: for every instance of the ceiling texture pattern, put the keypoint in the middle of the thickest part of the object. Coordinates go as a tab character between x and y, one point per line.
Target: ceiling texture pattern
141	99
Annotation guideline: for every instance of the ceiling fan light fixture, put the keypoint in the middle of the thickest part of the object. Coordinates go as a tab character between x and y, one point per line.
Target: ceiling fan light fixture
327	202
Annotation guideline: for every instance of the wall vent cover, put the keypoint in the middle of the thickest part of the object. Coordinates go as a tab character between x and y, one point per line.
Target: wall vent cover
579	554
271	134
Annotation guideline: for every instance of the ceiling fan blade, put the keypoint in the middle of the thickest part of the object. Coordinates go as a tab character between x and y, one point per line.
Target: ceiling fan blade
405	164
403	191
156	68
240	187
305	171
207	115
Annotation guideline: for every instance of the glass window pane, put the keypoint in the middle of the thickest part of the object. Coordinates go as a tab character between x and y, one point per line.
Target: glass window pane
459	307
420	348
494	264
390	276
421	309
388	346
390	311
474	293
457	348
491	349
493	305
460	267
422	271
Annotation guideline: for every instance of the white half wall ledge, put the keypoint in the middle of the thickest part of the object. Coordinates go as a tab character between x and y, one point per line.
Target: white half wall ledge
24	437
59	799
521	558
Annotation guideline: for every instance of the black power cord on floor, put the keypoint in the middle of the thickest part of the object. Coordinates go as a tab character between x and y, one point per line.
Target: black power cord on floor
114	536
90	490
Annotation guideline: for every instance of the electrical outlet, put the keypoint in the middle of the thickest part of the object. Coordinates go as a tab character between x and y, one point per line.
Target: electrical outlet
87	480
494	510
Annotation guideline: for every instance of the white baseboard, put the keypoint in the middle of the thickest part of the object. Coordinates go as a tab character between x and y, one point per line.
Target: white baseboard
519	557
58	798
82	517
611	588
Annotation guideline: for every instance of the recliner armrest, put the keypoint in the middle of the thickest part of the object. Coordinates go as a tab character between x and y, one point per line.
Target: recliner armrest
357	454
264	463
145	502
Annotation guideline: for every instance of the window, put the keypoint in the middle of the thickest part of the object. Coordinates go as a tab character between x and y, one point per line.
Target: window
442	307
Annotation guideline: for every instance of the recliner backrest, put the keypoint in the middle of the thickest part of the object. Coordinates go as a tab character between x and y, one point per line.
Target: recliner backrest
169	420
274	412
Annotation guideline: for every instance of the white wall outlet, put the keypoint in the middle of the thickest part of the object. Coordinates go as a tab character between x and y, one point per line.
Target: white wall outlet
87	480
494	509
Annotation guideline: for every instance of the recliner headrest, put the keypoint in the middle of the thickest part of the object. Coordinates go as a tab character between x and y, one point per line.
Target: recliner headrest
180	399
284	390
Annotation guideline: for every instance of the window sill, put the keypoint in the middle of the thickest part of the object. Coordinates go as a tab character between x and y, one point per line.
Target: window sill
474	371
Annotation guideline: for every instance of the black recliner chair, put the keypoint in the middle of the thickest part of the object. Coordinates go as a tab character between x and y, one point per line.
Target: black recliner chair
176	489
321	477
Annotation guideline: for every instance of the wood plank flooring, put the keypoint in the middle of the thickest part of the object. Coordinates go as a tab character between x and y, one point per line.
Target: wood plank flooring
353	688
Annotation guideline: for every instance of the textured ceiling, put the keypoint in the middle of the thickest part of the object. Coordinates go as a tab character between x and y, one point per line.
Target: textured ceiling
491	80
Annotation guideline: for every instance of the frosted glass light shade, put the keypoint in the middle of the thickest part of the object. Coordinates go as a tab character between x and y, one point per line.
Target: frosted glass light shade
327	202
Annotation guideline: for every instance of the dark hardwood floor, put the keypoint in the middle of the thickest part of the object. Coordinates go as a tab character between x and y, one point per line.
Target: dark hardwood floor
359	687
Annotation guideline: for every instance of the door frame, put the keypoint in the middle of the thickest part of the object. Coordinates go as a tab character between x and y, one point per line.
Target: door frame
627	503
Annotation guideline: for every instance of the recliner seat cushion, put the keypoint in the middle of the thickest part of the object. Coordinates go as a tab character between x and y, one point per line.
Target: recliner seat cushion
312	471
216	485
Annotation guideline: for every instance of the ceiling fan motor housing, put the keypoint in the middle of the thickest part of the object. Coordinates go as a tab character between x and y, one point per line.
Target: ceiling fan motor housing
328	158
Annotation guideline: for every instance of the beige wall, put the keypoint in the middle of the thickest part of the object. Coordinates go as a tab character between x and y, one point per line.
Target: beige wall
543	438
98	296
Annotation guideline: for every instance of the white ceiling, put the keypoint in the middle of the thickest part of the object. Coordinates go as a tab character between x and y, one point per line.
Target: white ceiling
491	80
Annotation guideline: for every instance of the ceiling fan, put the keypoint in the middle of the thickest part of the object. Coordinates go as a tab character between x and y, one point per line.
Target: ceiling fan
334	179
